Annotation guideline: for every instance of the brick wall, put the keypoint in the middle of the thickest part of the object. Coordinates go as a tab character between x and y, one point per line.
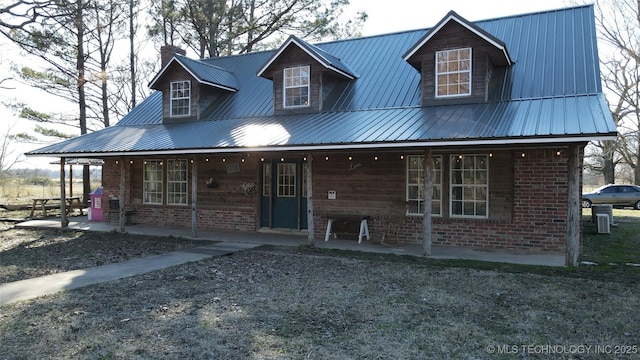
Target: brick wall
220	208
535	218
538	214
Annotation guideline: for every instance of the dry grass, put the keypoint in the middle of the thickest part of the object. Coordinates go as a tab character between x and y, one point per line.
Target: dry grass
28	253
304	303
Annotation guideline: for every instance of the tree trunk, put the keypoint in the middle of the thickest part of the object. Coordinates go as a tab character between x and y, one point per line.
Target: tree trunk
609	171
132	55
573	206
122	214
64	221
194	198
310	224
82	102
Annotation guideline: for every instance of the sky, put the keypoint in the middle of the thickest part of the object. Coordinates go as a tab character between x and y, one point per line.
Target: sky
384	16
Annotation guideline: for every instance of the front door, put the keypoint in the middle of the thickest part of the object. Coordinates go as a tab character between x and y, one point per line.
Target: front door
283	201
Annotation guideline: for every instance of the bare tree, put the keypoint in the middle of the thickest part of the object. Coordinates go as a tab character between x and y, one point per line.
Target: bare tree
223	27
619	29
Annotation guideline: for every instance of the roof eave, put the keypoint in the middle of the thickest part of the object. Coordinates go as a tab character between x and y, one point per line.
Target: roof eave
469	26
313	54
194	75
433	143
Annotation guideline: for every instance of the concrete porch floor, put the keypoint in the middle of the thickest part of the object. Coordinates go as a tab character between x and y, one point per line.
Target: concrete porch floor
298	239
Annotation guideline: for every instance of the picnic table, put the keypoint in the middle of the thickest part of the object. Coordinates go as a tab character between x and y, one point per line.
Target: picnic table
45	204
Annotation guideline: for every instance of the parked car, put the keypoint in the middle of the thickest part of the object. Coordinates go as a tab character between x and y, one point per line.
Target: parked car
616	195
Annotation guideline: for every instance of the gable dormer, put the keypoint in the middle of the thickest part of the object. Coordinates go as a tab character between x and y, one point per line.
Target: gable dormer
302	74
458	62
189	86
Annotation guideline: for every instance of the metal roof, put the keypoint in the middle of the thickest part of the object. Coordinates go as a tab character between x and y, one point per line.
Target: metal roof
552	92
521	121
204	73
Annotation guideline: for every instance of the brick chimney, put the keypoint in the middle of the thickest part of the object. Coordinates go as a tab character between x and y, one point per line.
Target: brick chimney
167	52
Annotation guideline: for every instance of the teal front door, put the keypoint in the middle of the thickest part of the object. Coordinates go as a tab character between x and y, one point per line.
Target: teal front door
283	201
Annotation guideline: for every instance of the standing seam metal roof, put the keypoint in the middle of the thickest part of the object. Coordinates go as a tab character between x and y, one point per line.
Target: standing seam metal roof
552	91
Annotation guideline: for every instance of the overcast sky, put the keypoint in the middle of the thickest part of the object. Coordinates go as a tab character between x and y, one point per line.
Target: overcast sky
384	17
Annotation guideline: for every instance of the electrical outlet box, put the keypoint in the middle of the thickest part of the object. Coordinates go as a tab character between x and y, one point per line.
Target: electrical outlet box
331	195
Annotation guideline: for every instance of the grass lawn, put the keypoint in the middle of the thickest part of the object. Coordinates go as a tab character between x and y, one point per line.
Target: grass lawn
306	303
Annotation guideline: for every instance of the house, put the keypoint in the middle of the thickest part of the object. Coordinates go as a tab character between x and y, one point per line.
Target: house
289	138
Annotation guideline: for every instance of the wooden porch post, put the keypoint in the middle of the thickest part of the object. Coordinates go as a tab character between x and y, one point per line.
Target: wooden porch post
194	198
573	206
64	221
122	214
428	194
310	226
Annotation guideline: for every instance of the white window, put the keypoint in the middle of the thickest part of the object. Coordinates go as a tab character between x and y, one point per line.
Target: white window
415	185
286	180
469	186
177	182
152	182
453	72
180	101
296	87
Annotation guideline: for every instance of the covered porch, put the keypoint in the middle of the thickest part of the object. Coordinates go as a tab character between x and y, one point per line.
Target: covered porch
300	239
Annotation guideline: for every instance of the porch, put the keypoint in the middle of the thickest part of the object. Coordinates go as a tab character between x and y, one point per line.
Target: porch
300	239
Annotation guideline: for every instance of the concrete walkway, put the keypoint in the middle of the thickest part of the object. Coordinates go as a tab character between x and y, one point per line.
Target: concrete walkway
294	238
51	284
230	242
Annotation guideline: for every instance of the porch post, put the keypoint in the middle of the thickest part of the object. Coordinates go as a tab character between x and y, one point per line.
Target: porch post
573	206
428	194
122	214
194	198
64	221
310	226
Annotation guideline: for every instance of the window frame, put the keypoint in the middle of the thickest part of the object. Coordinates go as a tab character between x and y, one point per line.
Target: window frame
437	184
173	97
146	194
286	74
448	73
460	158
172	194
286	180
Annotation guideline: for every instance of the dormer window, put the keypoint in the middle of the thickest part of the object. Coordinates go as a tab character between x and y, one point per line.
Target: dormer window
453	73
296	87
180	98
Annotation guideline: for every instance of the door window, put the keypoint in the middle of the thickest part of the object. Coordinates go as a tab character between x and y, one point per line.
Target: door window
286	180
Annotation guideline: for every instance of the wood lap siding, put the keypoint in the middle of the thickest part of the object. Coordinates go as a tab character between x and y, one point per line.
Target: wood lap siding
455	36
178	73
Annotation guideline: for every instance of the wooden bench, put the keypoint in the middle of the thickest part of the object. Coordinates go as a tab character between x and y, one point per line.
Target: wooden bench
347	225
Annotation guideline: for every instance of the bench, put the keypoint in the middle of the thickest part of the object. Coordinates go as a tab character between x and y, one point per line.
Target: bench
347	225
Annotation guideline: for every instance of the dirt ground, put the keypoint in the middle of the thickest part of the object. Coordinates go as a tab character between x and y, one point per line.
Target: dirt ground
304	303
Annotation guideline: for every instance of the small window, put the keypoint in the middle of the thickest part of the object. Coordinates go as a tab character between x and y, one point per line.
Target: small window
469	186
177	182
180	101
152	182
296	87
415	185
266	179
453	73
286	180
